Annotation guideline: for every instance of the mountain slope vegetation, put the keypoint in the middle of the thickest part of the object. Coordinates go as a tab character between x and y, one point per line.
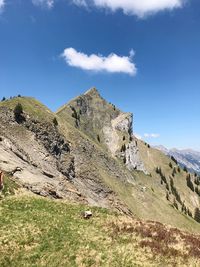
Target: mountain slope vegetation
90	156
37	231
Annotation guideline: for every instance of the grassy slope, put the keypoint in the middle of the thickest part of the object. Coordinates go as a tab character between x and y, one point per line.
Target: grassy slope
9	187
31	106
153	158
39	232
152	203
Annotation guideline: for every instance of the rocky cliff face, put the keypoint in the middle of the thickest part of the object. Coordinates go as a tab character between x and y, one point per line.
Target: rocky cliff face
107	125
91	156
36	154
41	157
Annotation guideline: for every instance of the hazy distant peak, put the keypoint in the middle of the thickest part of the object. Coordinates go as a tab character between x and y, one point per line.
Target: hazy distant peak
162	148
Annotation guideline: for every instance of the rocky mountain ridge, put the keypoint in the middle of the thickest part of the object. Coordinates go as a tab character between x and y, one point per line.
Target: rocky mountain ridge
90	155
104	123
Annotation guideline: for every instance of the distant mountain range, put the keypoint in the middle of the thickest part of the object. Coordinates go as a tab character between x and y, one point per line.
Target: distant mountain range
186	157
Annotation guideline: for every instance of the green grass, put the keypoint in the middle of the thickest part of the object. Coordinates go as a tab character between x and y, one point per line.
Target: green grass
31	106
10	187
39	232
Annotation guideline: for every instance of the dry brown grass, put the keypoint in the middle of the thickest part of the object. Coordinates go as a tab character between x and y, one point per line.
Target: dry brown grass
159	241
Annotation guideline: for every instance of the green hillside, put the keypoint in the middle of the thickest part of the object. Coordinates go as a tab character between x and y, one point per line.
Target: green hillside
103	179
40	232
31	106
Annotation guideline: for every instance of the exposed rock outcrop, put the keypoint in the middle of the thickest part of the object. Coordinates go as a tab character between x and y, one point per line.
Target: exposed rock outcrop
106	125
40	157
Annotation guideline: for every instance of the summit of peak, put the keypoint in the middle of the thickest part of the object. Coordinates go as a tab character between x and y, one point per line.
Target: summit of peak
92	91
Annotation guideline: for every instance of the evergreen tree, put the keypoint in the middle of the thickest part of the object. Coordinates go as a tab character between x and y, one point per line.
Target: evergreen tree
189	182
189	212
197	190
197	181
123	148
124	160
185	169
158	170
174	171
55	122
197	215
18	113
174	160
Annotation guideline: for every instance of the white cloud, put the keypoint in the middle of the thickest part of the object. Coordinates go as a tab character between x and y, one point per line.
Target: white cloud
43	3
112	63
80	3
140	8
152	135
2	3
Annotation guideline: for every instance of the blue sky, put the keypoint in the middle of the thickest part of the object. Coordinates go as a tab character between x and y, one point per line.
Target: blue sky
46	48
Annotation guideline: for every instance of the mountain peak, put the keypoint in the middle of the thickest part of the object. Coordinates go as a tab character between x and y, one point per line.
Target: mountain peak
92	92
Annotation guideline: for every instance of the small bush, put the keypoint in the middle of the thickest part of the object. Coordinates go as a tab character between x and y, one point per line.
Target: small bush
174	160
189	182
18	113
123	148
55	122
197	215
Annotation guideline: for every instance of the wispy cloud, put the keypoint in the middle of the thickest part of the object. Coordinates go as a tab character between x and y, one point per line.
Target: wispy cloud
80	3
151	135
43	3
97	63
139	8
2	4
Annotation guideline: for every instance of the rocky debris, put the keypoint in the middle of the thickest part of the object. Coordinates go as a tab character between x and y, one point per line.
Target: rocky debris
49	136
37	143
87	214
143	189
41	158
56	144
66	166
46	190
50	175
17	169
